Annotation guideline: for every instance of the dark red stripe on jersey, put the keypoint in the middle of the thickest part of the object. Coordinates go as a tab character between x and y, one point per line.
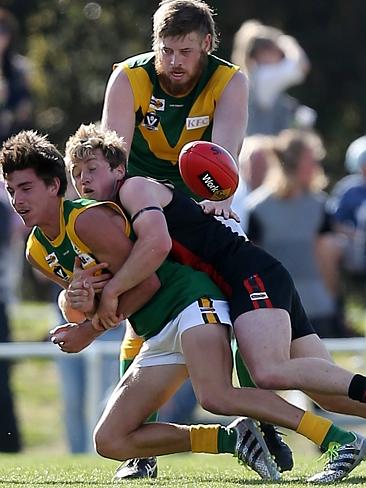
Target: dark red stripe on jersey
185	256
254	284
248	286
262	287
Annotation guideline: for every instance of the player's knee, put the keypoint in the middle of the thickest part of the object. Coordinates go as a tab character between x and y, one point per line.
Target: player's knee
267	378
213	401
109	446
101	442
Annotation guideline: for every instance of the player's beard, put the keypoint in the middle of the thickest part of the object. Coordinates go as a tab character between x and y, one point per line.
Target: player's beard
177	89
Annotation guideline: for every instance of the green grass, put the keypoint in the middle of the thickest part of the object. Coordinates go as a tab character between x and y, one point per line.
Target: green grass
196	471
44	462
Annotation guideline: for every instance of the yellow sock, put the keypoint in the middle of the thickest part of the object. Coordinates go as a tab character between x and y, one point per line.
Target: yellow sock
130	347
314	427
204	438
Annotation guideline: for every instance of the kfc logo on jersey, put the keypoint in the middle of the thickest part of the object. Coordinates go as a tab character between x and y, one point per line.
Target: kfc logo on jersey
151	121
157	103
197	122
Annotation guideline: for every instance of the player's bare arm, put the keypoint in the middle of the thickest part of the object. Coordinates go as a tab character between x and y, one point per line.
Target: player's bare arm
113	246
118	109
144	200
229	126
231	115
73	337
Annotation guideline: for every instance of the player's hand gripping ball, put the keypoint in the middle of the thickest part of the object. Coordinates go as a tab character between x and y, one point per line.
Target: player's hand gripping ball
208	170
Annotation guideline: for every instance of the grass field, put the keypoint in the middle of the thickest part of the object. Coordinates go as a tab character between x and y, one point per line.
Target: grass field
44	462
196	471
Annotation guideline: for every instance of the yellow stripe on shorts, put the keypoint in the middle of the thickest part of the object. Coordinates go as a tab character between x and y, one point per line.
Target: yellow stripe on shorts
206	306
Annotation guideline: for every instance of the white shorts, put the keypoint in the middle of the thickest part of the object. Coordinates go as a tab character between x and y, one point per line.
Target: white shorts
166	347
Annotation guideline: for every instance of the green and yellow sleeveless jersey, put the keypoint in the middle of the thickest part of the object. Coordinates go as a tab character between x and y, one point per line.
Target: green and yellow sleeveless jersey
180	285
163	123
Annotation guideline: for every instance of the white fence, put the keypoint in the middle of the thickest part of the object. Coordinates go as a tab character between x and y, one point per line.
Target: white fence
93	356
95	352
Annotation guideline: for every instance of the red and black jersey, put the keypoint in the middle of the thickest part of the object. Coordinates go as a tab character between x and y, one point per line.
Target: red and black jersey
249	276
203	242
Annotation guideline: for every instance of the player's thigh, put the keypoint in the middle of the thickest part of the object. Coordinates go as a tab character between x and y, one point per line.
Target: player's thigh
204	330
208	356
310	346
263	307
263	336
138	395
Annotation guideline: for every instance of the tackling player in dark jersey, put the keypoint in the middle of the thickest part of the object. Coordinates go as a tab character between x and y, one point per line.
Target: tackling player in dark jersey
273	332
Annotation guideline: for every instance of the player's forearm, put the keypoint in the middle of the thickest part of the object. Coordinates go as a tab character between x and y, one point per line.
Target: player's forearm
134	299
146	257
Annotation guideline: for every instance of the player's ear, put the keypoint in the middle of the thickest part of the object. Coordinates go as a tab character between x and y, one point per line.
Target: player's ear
120	172
54	186
207	43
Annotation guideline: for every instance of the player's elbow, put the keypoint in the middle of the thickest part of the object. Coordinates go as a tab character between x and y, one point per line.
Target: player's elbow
270	378
214	400
161	248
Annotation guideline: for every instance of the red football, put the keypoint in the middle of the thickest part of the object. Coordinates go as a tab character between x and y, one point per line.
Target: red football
208	170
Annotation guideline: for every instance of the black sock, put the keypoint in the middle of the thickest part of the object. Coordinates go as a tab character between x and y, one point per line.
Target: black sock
357	388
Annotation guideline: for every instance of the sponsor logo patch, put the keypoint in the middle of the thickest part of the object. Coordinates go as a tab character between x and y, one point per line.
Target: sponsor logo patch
209	182
151	121
157	103
197	122
52	260
86	260
261	295
60	273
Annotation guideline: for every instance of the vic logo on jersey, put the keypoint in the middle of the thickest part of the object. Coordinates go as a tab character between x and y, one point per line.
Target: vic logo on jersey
151	121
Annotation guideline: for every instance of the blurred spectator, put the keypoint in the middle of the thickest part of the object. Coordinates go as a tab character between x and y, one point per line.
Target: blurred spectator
274	62
348	207
256	163
15	99
9	432
288	218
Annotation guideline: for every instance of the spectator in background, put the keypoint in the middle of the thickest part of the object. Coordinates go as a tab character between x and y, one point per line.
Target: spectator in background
9	432
256	163
274	62
355	165
348	207
288	218
15	98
